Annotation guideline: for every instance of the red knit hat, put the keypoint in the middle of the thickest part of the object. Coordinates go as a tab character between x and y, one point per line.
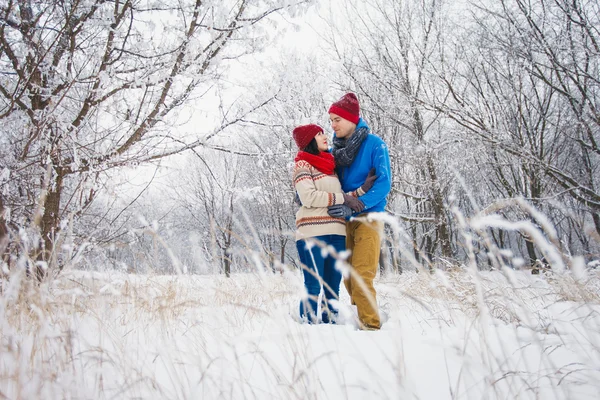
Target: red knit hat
347	107
303	134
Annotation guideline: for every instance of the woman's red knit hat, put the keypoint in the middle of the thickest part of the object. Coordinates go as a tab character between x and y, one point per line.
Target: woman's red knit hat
347	107
303	134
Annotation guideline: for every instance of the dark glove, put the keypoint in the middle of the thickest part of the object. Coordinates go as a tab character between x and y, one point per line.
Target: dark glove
369	181
297	200
339	211
354	203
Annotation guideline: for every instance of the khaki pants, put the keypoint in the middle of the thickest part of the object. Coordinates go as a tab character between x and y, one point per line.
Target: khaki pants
363	239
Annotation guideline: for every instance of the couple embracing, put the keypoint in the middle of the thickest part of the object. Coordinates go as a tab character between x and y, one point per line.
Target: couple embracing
352	180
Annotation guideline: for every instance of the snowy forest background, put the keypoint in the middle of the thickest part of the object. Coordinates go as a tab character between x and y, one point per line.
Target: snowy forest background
145	180
135	134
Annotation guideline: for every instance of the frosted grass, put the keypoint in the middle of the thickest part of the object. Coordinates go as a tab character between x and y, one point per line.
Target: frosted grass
113	335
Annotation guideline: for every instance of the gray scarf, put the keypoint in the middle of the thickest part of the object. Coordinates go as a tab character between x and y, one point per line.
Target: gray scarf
345	150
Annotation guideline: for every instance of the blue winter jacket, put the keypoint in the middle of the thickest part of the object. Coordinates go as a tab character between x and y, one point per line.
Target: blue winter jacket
373	153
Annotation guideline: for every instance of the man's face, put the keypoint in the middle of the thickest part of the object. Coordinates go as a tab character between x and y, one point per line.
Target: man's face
342	127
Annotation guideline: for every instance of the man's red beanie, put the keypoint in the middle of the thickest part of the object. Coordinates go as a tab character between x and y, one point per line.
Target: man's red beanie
347	108
303	134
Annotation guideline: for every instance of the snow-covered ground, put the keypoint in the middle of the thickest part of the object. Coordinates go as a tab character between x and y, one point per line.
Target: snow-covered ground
112	336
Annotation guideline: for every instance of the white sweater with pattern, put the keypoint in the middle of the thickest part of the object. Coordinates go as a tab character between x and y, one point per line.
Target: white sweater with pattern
317	191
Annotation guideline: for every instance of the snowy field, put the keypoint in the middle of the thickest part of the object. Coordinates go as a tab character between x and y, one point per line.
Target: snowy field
452	335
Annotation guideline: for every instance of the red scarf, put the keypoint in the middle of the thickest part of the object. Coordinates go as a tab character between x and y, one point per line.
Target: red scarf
324	161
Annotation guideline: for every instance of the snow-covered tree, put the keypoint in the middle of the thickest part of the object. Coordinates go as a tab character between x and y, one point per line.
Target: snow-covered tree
385	52
87	86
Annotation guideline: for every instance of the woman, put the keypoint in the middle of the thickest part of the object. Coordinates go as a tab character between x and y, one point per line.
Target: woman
318	187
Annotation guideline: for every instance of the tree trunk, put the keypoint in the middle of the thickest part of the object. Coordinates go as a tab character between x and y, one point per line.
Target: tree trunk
438	211
382	262
228	239
396	261
282	242
226	247
227	265
530	251
50	224
596	218
3	230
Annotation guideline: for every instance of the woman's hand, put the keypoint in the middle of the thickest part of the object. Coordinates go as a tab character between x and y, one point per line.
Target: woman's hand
369	181
339	211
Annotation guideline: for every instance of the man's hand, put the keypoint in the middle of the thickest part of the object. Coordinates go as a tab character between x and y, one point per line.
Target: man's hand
339	211
354	203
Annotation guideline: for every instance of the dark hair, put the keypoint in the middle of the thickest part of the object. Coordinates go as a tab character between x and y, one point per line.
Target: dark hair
312	147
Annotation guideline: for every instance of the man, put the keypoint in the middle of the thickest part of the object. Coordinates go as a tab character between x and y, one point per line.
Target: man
357	151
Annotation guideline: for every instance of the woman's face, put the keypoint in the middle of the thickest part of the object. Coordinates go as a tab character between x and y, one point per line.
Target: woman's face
321	139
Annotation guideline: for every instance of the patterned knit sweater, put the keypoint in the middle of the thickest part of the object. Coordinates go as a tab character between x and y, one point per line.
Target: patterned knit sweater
317	191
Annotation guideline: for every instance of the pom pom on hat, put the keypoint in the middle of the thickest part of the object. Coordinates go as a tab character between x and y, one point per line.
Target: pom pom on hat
347	107
303	134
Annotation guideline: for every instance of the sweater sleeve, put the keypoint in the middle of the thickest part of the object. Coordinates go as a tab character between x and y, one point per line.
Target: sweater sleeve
383	184
308	193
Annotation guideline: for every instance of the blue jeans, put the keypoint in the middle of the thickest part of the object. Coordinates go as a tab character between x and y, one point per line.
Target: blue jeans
320	271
